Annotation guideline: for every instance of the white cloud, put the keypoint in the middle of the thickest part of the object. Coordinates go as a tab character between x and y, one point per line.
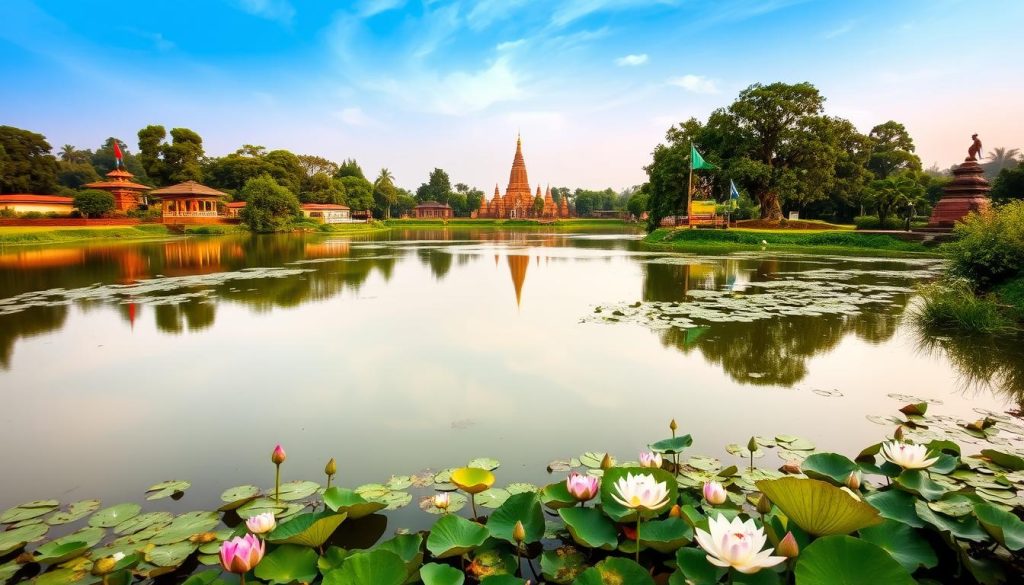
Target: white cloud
510	45
487	12
354	117
455	94
631	60
695	83
280	10
572	10
368	8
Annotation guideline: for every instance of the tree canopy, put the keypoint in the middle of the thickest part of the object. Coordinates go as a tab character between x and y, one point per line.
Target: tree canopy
26	165
270	207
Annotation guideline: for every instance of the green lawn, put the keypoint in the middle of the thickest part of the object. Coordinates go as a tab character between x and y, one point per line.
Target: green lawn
50	234
791	240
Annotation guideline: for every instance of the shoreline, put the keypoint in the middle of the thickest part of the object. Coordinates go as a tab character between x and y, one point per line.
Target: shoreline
803	241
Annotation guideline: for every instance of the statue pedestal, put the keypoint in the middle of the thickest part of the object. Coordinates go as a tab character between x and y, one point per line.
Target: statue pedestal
968	192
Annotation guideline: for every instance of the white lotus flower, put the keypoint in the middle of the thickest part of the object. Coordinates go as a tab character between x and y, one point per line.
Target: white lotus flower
118	556
906	455
714	493
261	523
736	544
649	459
641	492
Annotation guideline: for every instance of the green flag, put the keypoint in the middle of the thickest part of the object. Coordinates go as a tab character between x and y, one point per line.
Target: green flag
697	161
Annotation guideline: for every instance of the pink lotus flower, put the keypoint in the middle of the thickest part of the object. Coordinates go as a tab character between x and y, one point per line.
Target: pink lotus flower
714	493
261	523
278	456
242	553
648	459
736	544
582	487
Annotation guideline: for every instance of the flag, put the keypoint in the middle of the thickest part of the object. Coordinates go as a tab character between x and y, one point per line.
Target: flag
697	161
734	194
117	154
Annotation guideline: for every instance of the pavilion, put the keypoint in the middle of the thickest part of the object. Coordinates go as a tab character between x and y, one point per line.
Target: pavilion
127	193
189	202
432	210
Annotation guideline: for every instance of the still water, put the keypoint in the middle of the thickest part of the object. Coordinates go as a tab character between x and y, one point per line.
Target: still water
126	364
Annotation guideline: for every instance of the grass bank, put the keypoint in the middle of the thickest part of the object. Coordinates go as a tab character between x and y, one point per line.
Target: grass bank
561	224
57	235
830	241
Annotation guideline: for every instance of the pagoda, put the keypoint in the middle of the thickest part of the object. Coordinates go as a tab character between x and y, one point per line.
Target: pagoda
127	193
966	193
517	202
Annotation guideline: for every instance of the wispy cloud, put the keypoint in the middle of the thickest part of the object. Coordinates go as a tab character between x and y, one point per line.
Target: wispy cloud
840	30
631	60
368	8
457	93
438	26
160	42
510	45
487	12
278	10
695	84
354	116
573	10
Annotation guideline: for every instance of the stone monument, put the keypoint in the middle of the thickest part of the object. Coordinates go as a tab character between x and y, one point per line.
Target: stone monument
966	193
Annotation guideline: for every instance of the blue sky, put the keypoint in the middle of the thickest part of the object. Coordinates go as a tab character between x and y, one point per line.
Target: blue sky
412	85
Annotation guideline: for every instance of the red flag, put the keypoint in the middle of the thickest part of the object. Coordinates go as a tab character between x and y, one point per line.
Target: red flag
117	150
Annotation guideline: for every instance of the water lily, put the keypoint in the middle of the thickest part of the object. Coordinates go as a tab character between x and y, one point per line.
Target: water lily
241	554
640	492
442	501
906	455
853	480
714	493
277	457
261	523
582	487
649	459
788	546
736	544
330	469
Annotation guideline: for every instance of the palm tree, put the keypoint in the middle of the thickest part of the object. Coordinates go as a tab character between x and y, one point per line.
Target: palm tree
384	190
68	153
1000	158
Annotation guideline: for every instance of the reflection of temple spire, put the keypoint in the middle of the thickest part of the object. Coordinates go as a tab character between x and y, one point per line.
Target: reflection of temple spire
131	315
517	266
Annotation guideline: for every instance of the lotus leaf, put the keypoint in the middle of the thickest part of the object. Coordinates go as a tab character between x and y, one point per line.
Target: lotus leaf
559	466
395	500
492	559
351	503
454	536
296	490
904	543
492	498
455	503
472	480
208	577
1007	460
7	570
28	510
261	506
65	577
620	513
615	570
591	459
399	482
288	563
171	555
562	565
114	515
590	528
144	521
819	507
75	511
695	569
742	451
918	482
1004	527
438	574
844	560
523	508
376	567
502	580
966	527
521	488
408	547
57	551
672	446
166	489
311	530
12	540
556	495
829	467
955	505
372	491
332	558
238	495
666	535
444	476
484	463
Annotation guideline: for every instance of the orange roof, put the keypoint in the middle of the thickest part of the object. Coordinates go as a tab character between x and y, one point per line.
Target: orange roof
31	198
323	206
116	173
188	188
236	205
117	185
433	204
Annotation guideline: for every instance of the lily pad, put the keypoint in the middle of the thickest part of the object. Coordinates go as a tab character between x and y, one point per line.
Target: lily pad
12	540
556	496
819	507
492	498
114	515
238	495
438	574
829	467
672	446
590	528
144	521
521	488
665	536
376	567
295	490
75	511
28	510
844	560
455	503
171	555
523	508
399	482
166	489
918	482
562	565
455	536
615	570
56	552
896	505
472	480
311	530
288	563
592	459
351	503
904	543
484	463
1004	527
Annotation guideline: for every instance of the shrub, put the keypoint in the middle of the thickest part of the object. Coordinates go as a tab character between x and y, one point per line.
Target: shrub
32	215
270	207
871	222
953	305
93	202
8	212
990	246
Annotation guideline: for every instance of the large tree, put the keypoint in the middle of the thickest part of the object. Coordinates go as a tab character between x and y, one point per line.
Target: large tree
385	195
270	207
358	192
349	168
892	150
180	160
26	165
1000	158
437	188
323	188
893	194
104	161
1009	185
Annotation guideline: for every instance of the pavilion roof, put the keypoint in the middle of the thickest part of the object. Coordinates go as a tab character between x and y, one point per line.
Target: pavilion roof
119	184
188	188
433	204
323	206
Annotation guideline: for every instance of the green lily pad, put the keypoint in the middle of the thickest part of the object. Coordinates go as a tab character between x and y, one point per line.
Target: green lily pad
819	507
521	488
904	543
591	459
166	489
590	528
395	500
144	521
918	482
830	467
454	536
372	491
12	540
615	570
186	526
695	569
332	558
261	506
665	536
351	503
295	490
503	579
56	552
742	451
672	446
1004	527
238	495
523	508
376	567
562	565
966	528
114	515
311	530
438	574
288	563
556	496
455	503
75	511
896	505
28	510
399	482
844	560
1007	460
484	463
492	498
171	555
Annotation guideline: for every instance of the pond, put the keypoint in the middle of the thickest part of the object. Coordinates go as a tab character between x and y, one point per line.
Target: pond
125	364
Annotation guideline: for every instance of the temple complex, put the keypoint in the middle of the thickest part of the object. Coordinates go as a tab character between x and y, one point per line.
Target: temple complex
518	202
127	193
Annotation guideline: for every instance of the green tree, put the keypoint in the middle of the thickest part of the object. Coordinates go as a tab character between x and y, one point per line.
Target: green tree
1001	158
404	203
894	193
637	203
27	165
358	192
892	150
70	154
93	202
385	195
437	188
181	160
323	188
104	161
286	168
233	171
349	168
1009	185
270	207
151	140
75	174
538	205
313	165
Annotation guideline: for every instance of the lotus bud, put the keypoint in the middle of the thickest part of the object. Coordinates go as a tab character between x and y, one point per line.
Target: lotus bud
104	566
442	500
278	456
673	426
331	468
788	547
752	444
714	493
649	459
898	435
675	512
261	523
606	463
791	467
764	505
519	532
853	481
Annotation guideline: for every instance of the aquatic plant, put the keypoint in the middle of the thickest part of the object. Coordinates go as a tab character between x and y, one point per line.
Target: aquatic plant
737	544
277	457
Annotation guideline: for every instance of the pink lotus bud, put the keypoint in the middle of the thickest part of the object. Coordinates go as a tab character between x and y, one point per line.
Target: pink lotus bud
242	553
675	512
278	455
853	481
582	487
648	459
714	493
788	547
261	523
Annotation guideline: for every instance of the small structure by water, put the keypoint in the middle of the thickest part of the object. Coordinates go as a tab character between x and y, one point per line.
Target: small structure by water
189	203
127	193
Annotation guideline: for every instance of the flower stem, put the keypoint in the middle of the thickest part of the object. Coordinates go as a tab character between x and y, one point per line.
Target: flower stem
242	576
519	559
472	502
638	516
277	484
328	482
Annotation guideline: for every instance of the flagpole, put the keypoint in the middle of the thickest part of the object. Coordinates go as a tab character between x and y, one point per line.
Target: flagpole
689	195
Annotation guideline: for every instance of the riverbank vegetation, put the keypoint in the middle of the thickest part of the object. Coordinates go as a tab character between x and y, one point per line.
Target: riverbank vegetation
792	240
983	291
56	235
911	509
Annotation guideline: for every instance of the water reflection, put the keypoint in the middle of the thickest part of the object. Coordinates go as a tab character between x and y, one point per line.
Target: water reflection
983	363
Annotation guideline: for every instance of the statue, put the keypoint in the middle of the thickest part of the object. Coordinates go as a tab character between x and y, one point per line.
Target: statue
975	150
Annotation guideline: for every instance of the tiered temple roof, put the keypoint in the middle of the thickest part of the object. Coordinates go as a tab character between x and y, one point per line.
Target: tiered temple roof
518	199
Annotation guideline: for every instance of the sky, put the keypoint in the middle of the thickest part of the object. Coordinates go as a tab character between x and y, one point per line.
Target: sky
592	85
